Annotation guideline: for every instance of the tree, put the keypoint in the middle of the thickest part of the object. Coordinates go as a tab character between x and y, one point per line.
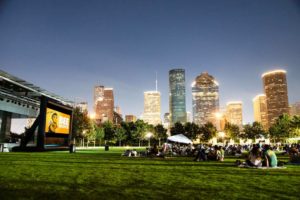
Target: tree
108	131
160	133
128	127
254	131
120	134
207	131
99	133
191	130
232	131
80	123
295	126
281	129
91	136
178	128
139	131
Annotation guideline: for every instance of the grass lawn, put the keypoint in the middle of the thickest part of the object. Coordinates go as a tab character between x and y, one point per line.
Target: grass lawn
96	174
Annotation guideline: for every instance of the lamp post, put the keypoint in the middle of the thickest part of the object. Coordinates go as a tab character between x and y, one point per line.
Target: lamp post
149	135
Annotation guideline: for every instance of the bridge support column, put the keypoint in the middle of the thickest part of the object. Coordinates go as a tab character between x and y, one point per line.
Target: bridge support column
5	124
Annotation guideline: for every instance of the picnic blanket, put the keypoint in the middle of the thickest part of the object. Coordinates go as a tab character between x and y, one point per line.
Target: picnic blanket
247	166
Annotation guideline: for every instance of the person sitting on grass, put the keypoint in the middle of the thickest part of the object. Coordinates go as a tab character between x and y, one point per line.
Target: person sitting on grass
270	158
254	158
294	155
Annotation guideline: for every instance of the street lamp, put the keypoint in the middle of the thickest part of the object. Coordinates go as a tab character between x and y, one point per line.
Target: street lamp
149	135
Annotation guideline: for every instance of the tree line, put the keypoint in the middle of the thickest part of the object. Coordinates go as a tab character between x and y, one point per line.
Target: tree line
137	133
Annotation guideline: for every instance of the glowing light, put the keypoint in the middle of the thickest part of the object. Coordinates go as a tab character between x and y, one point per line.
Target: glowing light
221	134
149	135
218	115
216	82
193	84
92	115
273	72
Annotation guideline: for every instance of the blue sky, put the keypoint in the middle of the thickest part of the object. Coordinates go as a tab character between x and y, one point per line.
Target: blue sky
67	46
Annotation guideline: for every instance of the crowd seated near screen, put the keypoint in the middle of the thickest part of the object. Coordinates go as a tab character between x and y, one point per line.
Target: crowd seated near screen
254	158
130	153
205	153
294	154
260	157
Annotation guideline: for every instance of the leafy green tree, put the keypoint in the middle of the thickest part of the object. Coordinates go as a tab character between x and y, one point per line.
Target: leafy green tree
191	130
232	131
254	131
109	131
80	123
91	136
178	128
129	129
207	131
160	133
281	129
120	134
139	131
99	133
295	126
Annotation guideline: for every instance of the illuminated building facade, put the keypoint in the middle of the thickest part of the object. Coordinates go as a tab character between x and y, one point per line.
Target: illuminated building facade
130	118
275	88
295	109
189	117
151	113
103	104
177	107
83	107
166	121
234	113
205	92
260	110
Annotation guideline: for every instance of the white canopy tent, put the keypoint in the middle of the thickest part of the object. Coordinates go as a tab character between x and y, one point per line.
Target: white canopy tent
180	138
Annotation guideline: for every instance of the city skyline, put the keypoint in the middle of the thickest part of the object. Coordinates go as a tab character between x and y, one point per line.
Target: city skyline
68	47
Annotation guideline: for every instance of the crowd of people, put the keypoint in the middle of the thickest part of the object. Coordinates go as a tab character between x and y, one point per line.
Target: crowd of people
258	155
261	156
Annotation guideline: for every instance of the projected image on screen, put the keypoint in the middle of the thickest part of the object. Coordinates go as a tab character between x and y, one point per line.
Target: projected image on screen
57	122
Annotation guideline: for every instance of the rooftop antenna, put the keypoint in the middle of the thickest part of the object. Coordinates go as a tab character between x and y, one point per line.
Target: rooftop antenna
156	81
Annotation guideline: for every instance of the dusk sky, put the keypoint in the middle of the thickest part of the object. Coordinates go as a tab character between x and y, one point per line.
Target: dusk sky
69	46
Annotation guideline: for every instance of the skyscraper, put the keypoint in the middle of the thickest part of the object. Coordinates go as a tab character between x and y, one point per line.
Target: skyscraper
118	110
177	107
130	118
205	92
275	88
260	110
234	113
189	117
295	109
151	113
103	104
83	107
